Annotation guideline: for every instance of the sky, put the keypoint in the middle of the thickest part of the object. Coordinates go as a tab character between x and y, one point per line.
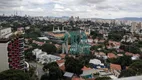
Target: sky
107	9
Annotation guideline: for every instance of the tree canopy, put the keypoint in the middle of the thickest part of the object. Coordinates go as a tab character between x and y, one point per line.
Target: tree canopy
116	35
73	65
123	61
134	69
49	65
49	48
137	66
14	75
103	78
131	48
45	77
127	73
29	55
55	72
96	34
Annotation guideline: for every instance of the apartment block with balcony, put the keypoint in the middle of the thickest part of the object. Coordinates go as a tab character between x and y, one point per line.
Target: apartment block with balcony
15	53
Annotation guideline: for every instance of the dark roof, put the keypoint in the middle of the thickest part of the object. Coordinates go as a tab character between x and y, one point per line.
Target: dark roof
4	40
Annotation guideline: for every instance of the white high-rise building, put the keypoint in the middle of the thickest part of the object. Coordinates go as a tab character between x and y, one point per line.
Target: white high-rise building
133	27
3	56
4	34
4	39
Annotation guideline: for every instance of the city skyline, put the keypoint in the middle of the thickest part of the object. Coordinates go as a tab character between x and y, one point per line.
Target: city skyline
107	9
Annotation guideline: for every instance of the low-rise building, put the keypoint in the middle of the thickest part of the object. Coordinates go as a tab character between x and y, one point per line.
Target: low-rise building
43	57
5	32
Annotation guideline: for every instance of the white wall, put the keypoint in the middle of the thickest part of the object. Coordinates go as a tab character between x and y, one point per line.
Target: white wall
3	57
4	32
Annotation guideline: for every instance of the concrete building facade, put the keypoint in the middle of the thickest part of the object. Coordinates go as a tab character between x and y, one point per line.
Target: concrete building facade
5	32
15	53
3	56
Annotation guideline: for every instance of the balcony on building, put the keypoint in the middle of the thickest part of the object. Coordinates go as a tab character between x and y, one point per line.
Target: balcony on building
9	55
10	66
21	49
22	56
9	60
21	39
21	45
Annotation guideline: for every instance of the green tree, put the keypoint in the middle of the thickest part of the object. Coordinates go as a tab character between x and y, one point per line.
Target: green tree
96	34
29	55
103	78
49	48
96	47
131	48
49	65
127	73
14	75
124	61
45	77
115	37
137	66
55	73
73	65
34	46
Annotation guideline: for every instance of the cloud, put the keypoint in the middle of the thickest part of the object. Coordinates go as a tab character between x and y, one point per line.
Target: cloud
4	4
92	1
22	8
82	8
58	6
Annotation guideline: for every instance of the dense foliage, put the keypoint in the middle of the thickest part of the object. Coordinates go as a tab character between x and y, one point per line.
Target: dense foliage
116	35
29	55
134	69
49	48
137	66
55	73
96	34
131	48
14	75
73	65
49	65
103	78
127	73
123	61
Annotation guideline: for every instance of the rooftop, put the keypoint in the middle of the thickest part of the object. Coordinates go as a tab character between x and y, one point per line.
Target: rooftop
3	40
115	66
4	27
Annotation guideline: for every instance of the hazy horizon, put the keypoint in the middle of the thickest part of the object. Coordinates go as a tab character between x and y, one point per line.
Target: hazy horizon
107	9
